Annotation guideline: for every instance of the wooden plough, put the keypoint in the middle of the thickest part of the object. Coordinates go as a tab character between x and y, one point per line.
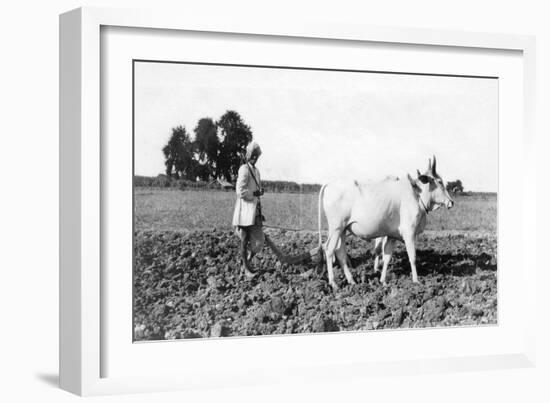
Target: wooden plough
314	255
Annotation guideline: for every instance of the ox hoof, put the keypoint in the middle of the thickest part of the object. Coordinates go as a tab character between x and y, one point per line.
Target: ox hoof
334	287
352	282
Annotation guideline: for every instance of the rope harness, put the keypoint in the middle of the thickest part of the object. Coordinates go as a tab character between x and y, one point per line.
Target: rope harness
423	205
286	228
260	206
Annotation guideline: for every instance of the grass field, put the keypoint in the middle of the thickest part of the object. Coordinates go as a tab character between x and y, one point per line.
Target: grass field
187	281
176	210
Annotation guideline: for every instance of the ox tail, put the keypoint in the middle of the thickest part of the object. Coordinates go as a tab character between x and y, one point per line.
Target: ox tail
321	192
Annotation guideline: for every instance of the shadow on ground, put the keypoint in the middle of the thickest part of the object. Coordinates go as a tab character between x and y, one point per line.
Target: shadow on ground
49	379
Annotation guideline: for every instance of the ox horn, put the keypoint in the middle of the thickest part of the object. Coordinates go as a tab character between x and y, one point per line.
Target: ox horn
433	167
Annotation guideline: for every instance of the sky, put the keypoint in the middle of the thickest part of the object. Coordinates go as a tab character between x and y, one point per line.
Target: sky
320	126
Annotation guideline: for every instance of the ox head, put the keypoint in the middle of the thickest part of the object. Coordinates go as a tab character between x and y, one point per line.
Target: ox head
431	188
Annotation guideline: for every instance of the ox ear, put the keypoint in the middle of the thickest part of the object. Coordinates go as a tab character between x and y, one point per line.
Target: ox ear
433	167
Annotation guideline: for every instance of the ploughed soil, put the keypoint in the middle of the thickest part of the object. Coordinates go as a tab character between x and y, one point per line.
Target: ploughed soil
188	285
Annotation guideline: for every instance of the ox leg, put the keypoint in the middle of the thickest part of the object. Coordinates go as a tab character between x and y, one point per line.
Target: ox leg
378	245
411	251
331	246
387	249
376	263
344	260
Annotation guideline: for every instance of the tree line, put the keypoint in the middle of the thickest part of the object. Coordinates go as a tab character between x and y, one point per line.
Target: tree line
162	181
216	150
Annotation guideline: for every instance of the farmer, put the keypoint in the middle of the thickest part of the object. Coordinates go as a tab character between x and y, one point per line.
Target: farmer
247	217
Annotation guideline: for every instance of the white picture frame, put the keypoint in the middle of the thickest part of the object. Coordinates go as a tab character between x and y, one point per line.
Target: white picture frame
82	177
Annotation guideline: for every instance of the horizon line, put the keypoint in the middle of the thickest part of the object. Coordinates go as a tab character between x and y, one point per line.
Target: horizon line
304	183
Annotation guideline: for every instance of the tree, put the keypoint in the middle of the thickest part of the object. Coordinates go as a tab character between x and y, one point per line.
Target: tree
455	186
207	147
178	153
197	170
235	136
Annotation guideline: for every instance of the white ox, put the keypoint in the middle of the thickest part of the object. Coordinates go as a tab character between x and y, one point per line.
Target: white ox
388	210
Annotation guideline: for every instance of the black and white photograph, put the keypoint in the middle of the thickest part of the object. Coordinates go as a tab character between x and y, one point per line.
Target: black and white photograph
272	200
